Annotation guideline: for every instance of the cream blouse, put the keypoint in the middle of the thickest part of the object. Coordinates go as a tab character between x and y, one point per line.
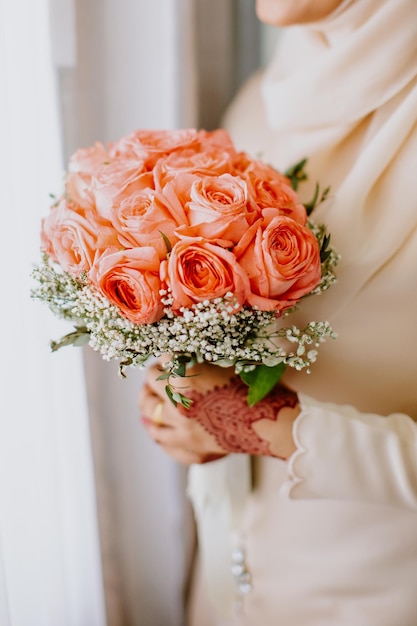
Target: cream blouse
331	535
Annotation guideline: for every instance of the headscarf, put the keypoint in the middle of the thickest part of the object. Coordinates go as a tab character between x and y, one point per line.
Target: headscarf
342	92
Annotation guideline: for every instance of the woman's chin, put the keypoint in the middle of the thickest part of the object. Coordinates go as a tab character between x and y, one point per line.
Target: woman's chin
291	12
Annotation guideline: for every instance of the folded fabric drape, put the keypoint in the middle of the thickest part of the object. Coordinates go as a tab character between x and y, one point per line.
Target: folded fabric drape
342	92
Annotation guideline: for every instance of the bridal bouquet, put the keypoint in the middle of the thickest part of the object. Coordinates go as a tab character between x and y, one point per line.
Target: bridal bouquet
174	243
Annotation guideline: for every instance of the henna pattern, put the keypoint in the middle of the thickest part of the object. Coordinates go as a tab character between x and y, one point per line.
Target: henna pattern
224	413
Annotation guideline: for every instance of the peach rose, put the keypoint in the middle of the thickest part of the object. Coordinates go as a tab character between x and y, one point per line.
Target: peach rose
150	145
198	270
219	207
212	162
89	160
130	280
269	188
175	194
69	238
283	264
140	218
240	163
112	179
218	139
79	192
82	166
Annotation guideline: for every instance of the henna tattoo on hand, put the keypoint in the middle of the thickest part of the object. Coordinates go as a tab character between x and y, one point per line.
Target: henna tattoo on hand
224	413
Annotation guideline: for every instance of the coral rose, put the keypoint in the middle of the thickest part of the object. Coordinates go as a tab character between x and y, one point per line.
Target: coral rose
150	145
208	163
175	194
89	160
140	218
69	238
130	280
198	270
217	139
283	264
269	188
219	207
83	164
79	192
115	178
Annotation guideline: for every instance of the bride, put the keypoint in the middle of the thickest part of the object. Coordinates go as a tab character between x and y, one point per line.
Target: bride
323	528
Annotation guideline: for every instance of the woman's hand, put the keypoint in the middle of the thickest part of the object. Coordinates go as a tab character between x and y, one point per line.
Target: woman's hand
219	420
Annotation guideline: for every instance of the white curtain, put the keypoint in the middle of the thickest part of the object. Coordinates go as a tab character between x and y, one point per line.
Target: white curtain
122	64
146	64
134	68
50	569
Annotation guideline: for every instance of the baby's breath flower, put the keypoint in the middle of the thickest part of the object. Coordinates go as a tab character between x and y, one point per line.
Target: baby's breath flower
207	331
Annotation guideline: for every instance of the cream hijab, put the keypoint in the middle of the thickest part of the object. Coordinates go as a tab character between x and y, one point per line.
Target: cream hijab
335	72
342	92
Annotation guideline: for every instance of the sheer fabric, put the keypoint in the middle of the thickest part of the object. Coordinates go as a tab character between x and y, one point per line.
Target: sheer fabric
50	570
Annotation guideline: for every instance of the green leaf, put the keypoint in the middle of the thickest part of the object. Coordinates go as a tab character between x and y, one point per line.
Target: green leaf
123	365
167	241
324	252
164	376
180	370
78	337
261	381
325	194
178	398
296	174
184	358
170	394
186	402
310	206
315	201
81	340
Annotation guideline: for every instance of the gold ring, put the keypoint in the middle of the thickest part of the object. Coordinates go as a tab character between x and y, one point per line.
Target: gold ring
157	414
